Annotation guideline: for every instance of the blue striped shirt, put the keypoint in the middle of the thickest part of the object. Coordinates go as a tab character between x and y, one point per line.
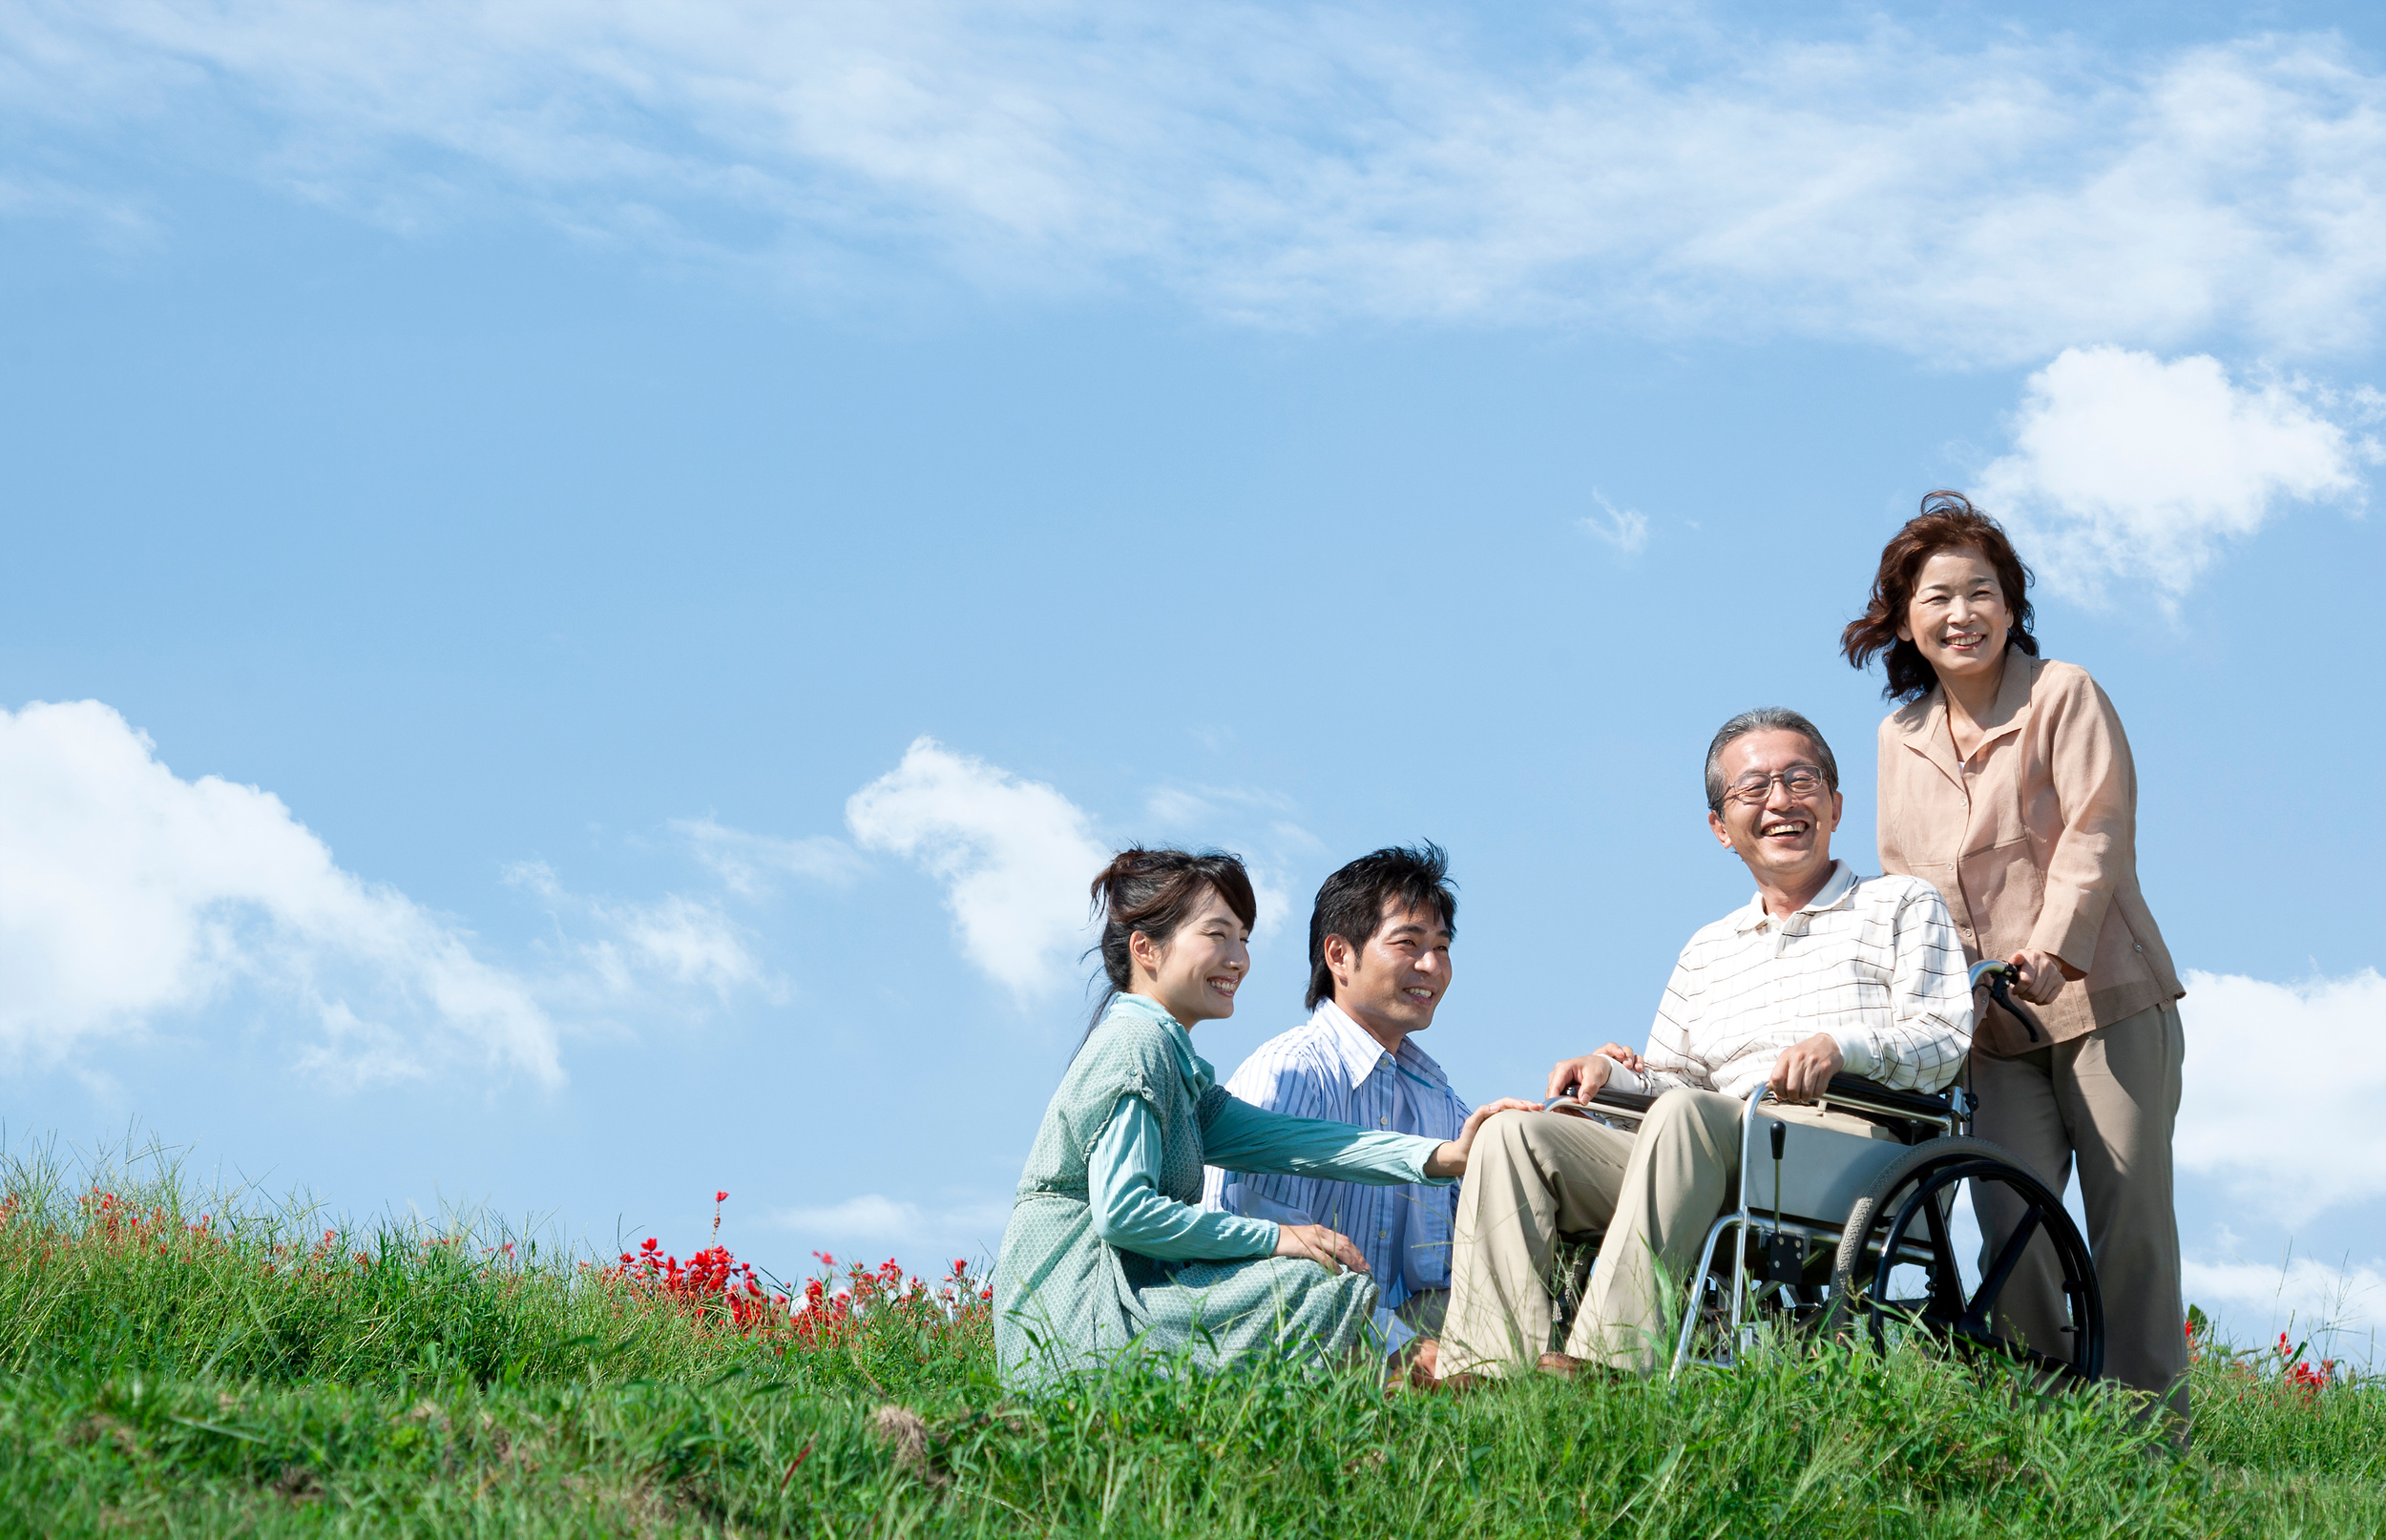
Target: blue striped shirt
1328	1068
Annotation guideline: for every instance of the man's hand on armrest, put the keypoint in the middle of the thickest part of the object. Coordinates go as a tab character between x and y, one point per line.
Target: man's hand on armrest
1804	1070
1584	1077
1450	1159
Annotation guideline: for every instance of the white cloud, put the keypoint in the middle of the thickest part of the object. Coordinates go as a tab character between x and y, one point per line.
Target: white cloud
2335	1306
1015	856
690	941
746	863
2325	1145
1271	891
1296	164
128	895
616	946
964	1227
1626	529
1174	808
2129	472
1197	806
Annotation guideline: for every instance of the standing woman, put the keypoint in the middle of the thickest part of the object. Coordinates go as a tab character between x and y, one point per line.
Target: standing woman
1108	1245
2006	781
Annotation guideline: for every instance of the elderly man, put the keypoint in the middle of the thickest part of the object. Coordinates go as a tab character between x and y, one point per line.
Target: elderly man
1822	971
1380	967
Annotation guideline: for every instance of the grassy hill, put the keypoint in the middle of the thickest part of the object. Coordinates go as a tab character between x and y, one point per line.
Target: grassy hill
171	1371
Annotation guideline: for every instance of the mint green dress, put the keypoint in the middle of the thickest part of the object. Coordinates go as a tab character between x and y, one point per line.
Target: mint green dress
1108	1250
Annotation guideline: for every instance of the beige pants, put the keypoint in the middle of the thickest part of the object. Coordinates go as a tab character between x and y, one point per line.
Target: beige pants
1534	1176
2106	1102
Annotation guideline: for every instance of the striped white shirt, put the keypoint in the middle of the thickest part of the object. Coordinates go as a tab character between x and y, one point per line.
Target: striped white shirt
1328	1068
1872	961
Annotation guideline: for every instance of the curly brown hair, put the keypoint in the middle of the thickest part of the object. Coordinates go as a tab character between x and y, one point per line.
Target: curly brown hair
1948	522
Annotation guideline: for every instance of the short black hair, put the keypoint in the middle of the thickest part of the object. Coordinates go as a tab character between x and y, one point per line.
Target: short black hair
1351	904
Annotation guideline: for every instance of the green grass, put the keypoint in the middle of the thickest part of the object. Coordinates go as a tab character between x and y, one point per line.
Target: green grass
252	1380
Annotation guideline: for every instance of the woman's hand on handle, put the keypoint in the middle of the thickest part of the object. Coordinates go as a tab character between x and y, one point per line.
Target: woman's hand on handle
2039	976
1329	1249
1450	1161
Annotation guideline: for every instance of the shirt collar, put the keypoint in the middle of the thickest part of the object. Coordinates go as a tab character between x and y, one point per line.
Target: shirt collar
1925	731
1196	1069
1837	892
2013	693
1359	1054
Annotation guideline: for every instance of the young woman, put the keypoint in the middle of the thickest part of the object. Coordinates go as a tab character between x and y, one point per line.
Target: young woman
1108	1246
2005	781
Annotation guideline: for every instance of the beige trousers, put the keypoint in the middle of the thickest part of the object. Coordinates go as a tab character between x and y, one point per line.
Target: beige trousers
2106	1103
1536	1175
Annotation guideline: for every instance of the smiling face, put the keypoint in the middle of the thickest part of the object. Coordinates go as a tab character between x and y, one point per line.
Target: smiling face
1958	617
1394	984
1195	973
1783	838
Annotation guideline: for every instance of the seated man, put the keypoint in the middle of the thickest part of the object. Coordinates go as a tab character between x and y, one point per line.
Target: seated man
1379	966
1821	971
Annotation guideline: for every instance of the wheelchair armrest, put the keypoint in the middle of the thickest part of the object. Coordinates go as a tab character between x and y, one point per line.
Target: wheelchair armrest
1627	1101
1912	1103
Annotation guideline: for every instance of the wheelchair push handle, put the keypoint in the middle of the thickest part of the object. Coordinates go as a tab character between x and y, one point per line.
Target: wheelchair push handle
1999	975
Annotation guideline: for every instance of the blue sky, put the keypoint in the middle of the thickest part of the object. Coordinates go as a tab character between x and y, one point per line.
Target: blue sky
553	467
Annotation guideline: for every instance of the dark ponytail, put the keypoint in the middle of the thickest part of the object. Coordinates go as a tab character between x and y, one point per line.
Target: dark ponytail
1154	891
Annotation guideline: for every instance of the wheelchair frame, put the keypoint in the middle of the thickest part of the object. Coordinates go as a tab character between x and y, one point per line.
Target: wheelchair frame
1924	1185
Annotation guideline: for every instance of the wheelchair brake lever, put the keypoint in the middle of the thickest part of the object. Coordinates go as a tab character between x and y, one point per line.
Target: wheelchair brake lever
1999	976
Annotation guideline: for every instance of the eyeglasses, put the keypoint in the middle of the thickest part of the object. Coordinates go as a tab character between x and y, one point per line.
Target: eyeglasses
1799	781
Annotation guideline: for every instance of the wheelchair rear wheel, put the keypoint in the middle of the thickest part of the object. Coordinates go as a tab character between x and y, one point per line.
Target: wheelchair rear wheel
1902	1221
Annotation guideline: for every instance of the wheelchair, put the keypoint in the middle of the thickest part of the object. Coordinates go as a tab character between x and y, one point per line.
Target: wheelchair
1878	1209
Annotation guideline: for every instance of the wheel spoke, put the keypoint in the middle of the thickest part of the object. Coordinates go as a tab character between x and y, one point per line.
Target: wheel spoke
1993	1284
1960	1338
1946	1274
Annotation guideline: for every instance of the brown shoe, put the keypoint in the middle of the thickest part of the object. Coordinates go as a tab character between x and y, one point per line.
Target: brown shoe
1565	1365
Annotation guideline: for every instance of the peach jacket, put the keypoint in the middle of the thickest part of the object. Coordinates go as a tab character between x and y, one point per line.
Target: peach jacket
2033	842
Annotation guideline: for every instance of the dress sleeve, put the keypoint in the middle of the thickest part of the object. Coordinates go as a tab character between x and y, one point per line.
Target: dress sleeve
1132	1213
1930	1024
1243	1137
2096	785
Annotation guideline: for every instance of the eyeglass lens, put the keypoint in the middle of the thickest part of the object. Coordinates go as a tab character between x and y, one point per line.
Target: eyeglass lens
1799	781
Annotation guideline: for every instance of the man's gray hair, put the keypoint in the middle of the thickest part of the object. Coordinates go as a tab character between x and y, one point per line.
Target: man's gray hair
1764	719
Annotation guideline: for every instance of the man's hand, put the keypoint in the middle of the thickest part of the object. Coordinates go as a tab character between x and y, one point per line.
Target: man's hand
1329	1249
2039	976
1450	1159
1584	1077
1804	1070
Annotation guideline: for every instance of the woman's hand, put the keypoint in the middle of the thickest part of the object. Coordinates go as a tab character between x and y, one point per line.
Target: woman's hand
1450	1161
2039	976
1585	1077
1324	1247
